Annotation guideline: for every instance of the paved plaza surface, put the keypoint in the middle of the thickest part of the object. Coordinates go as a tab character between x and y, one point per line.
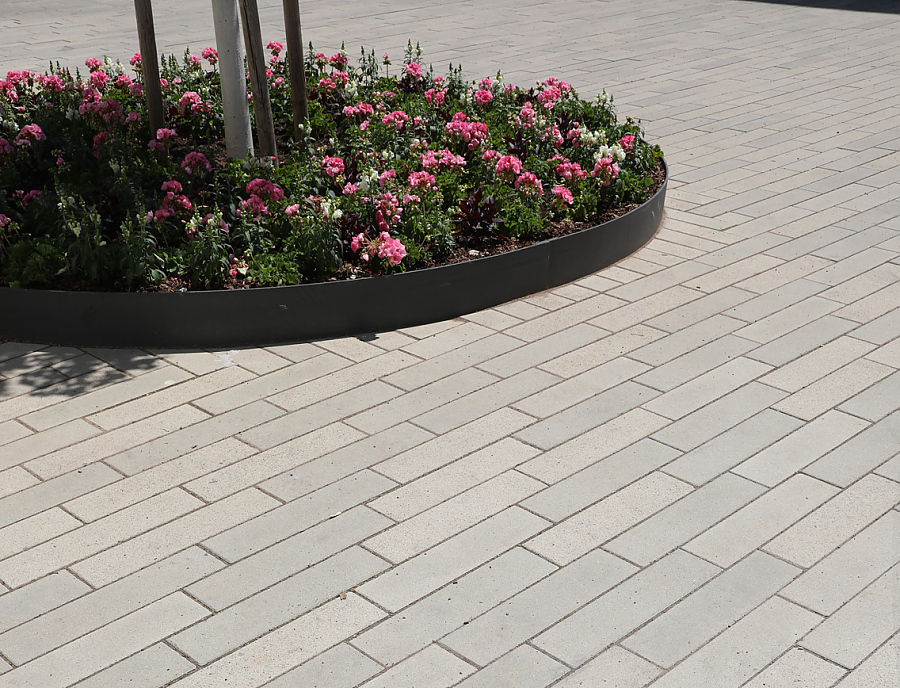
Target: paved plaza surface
681	471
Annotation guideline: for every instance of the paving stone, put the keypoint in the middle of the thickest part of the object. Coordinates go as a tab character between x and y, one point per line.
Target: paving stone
193	437
277	524
802	340
585	359
699	310
853	459
14	480
695	363
89	612
586	415
877	401
783	274
453	606
765	305
433	667
127	557
34	530
133	361
349	347
542	350
638	311
492	318
108	645
832	389
849	568
659	281
814	536
787	320
602	521
441	450
793	453
612	668
524	667
745	648
253	617
852	266
563	318
339	667
816	364
421	575
863	285
289	646
705	613
686	518
721	415
22	450
156	666
849	635
878	331
879	669
448	518
889	354
95	537
490	398
630	604
798	668
509	624
758	522
12	430
33	600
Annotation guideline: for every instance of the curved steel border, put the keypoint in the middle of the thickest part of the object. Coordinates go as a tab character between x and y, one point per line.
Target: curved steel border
331	309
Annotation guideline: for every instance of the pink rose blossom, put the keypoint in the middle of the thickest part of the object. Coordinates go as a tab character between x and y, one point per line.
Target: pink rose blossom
30	133
414	69
275	47
292	210
93	63
508	167
195	162
165	134
334	166
397	118
483	97
627	142
422	180
211	55
562	195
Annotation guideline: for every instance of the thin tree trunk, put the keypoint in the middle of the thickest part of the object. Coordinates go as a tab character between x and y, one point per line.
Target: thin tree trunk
143	11
296	64
238	135
262	105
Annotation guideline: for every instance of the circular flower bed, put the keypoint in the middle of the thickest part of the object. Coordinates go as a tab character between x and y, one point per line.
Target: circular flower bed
399	169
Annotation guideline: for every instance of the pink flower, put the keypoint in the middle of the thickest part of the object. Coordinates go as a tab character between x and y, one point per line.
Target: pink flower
98	79
486	83
483	97
398	118
350	189
508	167
605	170
414	69
30	133
570	171
172	186
34	195
357	242
195	162
473	133
255	206
211	55
164	83
438	80
123	81
165	134
391	249
135	61
421	180
135	89
385	176
100	140
93	63
192	100
5	147
4	221
265	189
490	155
528	182
51	83
386	59
338	60
133	117
562	195
525	118
334	166
275	47
627	142
156	145
292	210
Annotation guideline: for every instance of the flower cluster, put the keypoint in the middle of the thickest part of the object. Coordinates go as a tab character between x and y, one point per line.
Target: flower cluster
383	246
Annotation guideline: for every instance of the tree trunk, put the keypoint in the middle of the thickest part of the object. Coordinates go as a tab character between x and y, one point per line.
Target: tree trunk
143	11
296	64
238	135
262	105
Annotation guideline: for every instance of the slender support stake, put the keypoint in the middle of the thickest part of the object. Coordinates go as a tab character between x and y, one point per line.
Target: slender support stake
262	106
238	135
143	11
296	64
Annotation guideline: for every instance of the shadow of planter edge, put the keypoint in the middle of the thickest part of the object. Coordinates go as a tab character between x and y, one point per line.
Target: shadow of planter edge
270	315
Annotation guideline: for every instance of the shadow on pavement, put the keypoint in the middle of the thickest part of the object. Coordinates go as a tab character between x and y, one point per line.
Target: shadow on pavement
887	6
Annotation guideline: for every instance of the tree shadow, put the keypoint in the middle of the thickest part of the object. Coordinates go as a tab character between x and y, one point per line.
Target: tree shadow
883	6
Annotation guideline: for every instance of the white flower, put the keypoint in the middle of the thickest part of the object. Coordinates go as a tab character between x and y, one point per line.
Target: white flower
618	152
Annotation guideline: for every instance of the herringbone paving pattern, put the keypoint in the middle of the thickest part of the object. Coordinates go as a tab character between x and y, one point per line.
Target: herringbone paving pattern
682	471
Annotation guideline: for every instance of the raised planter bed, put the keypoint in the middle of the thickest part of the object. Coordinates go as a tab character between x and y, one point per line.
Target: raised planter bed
328	309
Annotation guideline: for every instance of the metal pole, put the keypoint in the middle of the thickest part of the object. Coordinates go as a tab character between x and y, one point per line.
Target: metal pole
238	135
143	11
296	64
262	105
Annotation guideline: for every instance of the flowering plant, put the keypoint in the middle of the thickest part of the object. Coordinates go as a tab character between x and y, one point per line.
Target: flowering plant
395	171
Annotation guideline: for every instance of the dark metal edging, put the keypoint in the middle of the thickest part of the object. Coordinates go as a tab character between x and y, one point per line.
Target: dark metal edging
216	319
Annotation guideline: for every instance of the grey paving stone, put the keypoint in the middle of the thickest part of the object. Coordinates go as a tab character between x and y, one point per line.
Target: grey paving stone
695	363
765	305
848	569
721	415
562	318
586	415
524	667
421	575
612	668
850	634
156	666
719	604
281	603
284	559
542	350
879	669
528	613
40	443
632	603
699	310
35	599
802	340
793	453
761	520
288	646
780	323
364	453
110	644
89	612
876	402
294	517
798	668
339	667
193	437
433	667
452	606
853	459
610	347
685	341
686	518
745	648
817	364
